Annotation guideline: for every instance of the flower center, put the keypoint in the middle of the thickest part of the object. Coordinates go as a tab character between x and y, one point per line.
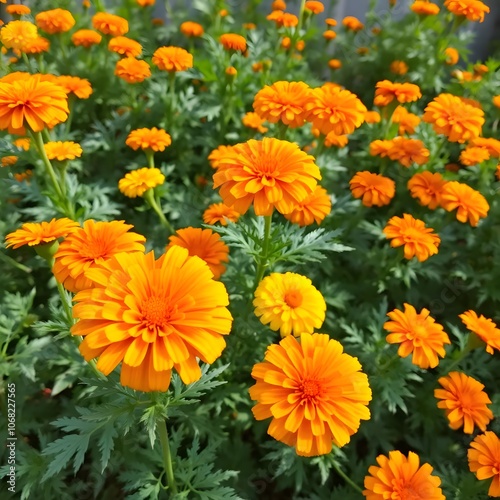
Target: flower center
293	298
406	492
310	389
95	249
411	234
418	333
156	312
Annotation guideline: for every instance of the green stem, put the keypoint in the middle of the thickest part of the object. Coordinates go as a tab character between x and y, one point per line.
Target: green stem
150	157
282	129
265	249
346	478
151	199
460	358
171	105
167	457
66	307
27	62
301	15
67	125
14	263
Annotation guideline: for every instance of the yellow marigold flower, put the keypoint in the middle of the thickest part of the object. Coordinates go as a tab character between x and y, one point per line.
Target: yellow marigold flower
88	247
473	155
152	315
74	85
464	401
313	209
374	189
352	23
125	46
334	63
407	121
205	244
331	109
473	10
484	328
399	67
232	41
192	29
278	5
452	56
283	102
491	145
270	174
8	161
22	143
253	120
418	334
372	117
449	115
380	147
18	34
314	7
471	204
109	24
61	151
36	46
18	10
419	241
407	151
38	233
219	212
217	154
55	21
289	303
132	70
386	91
484	456
137	182
329	35
154	139
400	477
33	103
330	22
172	59
332	139
427	188
86	38
315	394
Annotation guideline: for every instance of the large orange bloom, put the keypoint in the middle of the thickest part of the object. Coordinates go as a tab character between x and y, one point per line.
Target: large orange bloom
268	173
137	182
110	24
191	29
473	10
86	38
427	188
283	101
132	70
407	121
471	204
172	59
55	21
89	246
152	316
374	189
484	328
205	244
232	41
407	151
386	91
125	46
484	457
491	145
315	393
221	213
152	139
314	208
402	478
425	8
464	401
38	233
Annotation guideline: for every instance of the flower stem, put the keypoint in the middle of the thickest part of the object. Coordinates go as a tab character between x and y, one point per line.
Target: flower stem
346	478
265	249
151	199
14	263
167	457
150	157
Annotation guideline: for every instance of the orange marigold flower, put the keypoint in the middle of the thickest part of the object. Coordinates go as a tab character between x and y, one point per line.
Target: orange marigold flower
125	46
419	241
449	115
380	147
31	102
217	154
471	204
55	21
137	182
484	328
400	477
73	84
372	117
18	34
172	59
473	10
88	247
427	188
270	174
407	151
86	38
332	139
496	101
464	402
334	63
232	41
386	91
231	71
152	315
473	155
154	139
109	24
418	334
329	35
253	120
491	145
36	46
452	56
352	23
192	29
8	161
24	176
249	26
61	151
330	22
219	212
399	67
374	189
283	102
484	456
132	70
314	7
38	233
425	8
315	394
332	109
145	3
407	121
205	244
278	5
18	10
313	209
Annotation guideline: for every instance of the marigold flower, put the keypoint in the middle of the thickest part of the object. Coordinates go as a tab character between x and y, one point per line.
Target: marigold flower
154	139
219	212
24	176
137	182
232	41
372	117
471	204
205	244
36	46
484	328
484	456
109	24
152	316
132	70
332	139
329	35
407	151
407	121
419	241
172	59
270	174
313	209
73	84
400	477
399	67
491	145
249	26
61	151
427	188
464	401
86	38
334	63
496	101
18	10
145	3
278	5
231	71
8	161
125	46
473	155
22	143
314	7
418	334
352	23
38	233
283	102
315	393
192	29
253	120
473	10
88	247
380	147
374	189
452	56
218	154
449	115
55	21
386	91
330	22
18	34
